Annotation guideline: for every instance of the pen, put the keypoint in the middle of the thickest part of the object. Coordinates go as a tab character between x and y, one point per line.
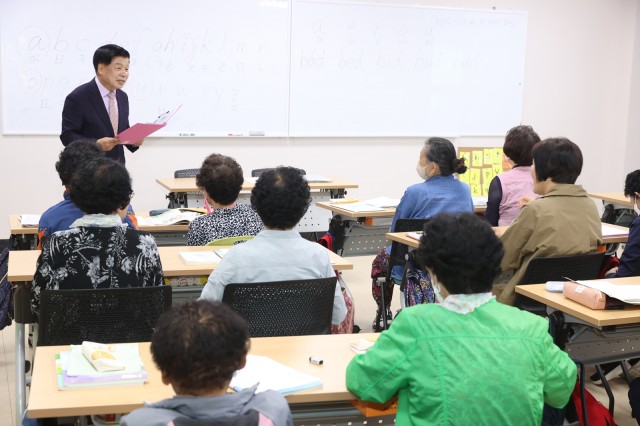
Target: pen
186	134
235	134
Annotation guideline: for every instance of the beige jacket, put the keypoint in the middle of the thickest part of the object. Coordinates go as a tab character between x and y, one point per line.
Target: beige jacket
563	222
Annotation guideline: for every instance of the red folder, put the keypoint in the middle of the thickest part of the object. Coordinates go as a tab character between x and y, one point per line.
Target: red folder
139	131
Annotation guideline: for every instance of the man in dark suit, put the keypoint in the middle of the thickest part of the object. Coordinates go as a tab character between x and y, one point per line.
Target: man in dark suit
99	110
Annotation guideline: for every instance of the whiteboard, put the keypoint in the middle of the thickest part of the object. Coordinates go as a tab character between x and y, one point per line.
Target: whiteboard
226	62
384	70
272	67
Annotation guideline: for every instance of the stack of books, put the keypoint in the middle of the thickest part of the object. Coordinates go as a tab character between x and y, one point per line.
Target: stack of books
74	370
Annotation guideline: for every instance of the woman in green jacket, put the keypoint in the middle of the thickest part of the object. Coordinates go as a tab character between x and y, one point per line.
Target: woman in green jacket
467	359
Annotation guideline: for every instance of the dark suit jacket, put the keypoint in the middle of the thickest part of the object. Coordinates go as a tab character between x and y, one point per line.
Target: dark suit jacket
84	116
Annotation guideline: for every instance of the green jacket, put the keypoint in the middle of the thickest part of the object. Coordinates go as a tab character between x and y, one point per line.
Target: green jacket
562	223
493	366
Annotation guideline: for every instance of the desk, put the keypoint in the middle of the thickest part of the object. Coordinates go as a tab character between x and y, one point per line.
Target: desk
26	238
45	400
183	192
402	237
613	198
22	266
364	232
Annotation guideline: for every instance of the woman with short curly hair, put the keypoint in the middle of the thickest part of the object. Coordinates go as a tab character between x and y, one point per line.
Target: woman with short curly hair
99	251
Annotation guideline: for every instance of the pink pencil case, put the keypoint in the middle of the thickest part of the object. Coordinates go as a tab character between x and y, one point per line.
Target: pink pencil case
590	297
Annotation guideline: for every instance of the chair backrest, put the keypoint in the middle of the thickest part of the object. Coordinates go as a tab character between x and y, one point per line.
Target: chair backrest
399	250
578	267
185	173
258	172
229	241
542	269
284	308
110	315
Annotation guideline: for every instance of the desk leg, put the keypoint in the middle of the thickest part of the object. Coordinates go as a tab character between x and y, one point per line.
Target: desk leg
20	372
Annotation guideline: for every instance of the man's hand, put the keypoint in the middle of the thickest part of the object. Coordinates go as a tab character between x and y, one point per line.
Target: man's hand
107	144
139	143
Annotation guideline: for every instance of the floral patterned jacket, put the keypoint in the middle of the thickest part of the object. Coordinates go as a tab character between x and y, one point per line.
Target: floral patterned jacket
97	252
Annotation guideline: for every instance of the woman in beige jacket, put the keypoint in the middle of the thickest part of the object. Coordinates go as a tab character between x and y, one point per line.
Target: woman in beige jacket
564	221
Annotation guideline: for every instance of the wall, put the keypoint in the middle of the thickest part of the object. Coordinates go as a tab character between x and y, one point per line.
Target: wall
578	83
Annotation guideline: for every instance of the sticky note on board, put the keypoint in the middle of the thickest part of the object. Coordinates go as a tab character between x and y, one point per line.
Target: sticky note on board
476	190
485	190
488	155
497	170
477	159
464	177
474	176
487	175
497	156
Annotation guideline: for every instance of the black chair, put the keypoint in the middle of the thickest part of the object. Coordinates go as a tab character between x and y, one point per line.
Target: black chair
111	315
556	268
258	172
284	308
397	257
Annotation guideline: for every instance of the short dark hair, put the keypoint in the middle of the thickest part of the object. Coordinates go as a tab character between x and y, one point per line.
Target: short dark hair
75	155
632	183
463	251
101	185
557	159
281	197
221	177
442	152
198	345
105	54
518	144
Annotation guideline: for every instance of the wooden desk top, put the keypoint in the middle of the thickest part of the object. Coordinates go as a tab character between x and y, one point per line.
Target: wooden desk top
338	208
189	184
402	237
612	197
599	318
45	400
18	229
22	263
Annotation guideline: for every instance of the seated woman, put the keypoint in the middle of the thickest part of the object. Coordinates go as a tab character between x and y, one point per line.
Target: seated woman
630	259
221	179
435	355
99	251
508	188
564	221
281	197
440	191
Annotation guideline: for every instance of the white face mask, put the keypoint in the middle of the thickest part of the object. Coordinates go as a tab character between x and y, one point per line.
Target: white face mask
421	172
635	204
436	289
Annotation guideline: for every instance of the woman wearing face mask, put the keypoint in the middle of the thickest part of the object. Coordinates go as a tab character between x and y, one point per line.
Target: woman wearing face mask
564	221
440	192
630	259
450	363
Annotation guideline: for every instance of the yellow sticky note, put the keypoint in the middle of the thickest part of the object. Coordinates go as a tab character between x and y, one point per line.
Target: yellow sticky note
467	157
488	155
476	190
497	156
497	169
474	176
485	189
487	175
476	159
464	178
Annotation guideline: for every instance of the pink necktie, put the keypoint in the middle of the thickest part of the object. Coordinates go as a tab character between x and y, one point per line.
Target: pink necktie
113	112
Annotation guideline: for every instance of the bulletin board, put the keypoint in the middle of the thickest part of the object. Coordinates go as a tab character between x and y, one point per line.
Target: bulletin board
483	164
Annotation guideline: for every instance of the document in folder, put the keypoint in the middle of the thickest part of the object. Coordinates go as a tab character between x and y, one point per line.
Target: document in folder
139	131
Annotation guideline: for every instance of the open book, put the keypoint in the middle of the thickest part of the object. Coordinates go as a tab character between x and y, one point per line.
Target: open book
170	217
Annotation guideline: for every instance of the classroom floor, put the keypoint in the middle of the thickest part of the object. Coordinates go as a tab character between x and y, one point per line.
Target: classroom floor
360	285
